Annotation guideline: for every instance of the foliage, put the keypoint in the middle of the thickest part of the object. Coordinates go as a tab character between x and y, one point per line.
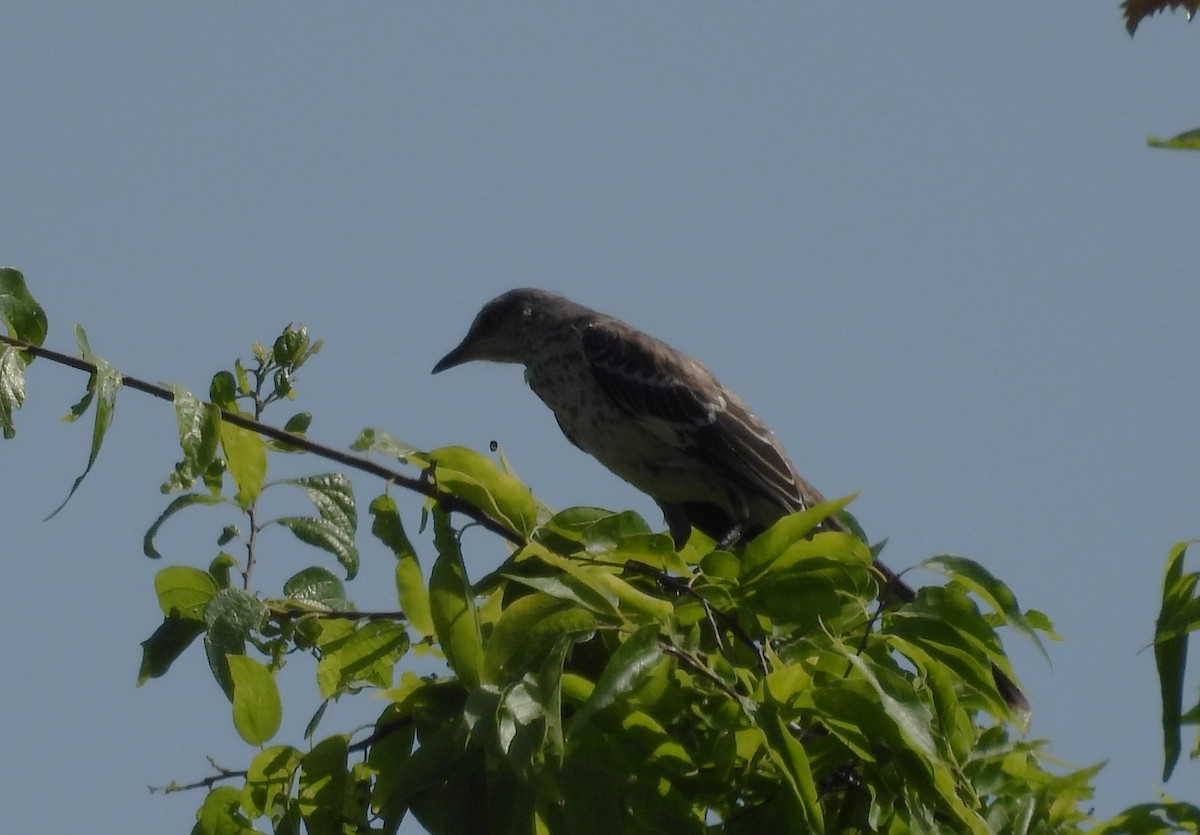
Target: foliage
1178	617
1136	10
596	680
1186	141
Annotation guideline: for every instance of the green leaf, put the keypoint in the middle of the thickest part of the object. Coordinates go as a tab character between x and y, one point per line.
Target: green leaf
103	385
19	310
622	537
315	720
927	641
575	589
376	440
246	458
901	704
232	616
410	585
241	384
528	723
786	685
12	388
772	542
257	708
476	479
324	786
183	592
569	526
221	814
223	390
981	581
333	496
297	425
168	642
1189	140
598	588
946	622
1166	818
1042	623
290	345
913	721
637	655
220	567
810	583
364	656
442	758
529	628
318	586
607	533
176	505
1170	650
269	780
199	426
394	735
326	536
792	760
657	743
544	683
452	605
335	528
849	708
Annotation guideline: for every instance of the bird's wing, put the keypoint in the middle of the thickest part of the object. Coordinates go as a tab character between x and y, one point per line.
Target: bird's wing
653	382
645	377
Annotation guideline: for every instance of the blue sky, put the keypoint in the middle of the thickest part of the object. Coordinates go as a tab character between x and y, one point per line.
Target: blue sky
928	245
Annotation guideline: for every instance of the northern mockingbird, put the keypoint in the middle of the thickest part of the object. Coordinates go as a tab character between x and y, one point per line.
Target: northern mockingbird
657	418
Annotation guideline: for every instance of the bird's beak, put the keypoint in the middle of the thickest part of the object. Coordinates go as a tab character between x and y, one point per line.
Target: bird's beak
457	356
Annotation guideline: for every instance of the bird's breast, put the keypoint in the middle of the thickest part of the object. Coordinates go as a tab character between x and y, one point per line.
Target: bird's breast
657	457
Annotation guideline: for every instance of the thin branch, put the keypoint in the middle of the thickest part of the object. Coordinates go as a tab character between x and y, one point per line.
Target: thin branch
223	773
697	666
677	586
252	510
207	783
452	504
335	614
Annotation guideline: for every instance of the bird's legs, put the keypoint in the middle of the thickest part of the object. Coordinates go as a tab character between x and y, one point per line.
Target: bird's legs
741	518
727	528
732	536
677	523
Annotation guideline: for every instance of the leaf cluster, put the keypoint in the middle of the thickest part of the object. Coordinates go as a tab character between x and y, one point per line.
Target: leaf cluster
596	679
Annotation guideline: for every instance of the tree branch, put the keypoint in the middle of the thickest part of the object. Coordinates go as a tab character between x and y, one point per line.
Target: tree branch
207	783
451	503
334	614
223	773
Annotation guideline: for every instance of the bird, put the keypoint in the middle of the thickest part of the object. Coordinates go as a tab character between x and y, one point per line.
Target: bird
657	418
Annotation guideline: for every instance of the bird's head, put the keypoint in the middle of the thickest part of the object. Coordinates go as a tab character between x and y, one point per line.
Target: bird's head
501	331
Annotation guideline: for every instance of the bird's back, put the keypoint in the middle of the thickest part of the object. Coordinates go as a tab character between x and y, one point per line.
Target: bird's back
660	420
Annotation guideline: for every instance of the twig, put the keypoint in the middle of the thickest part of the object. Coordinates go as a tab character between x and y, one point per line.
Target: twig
697	666
713	615
207	783
335	614
231	774
451	503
